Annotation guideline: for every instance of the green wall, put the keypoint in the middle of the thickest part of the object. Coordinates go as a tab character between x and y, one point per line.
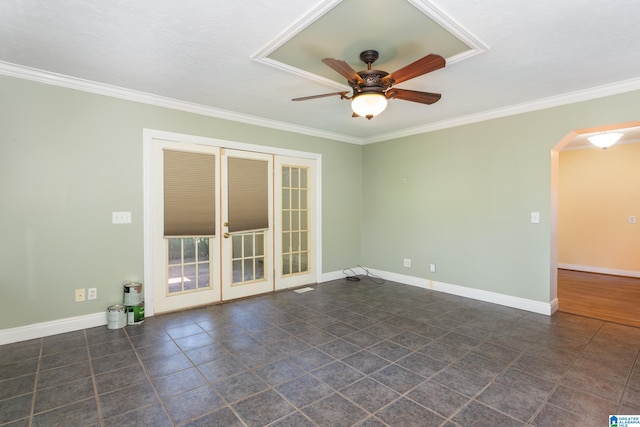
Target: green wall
468	196
459	198
69	158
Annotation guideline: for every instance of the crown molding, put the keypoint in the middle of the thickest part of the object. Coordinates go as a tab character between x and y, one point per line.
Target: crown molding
476	45
40	76
302	73
261	56
289	32
55	79
540	104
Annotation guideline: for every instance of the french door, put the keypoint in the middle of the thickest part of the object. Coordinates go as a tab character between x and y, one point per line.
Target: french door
260	224
247	223
295	218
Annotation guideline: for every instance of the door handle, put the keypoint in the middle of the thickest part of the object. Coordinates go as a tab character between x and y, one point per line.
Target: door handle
226	235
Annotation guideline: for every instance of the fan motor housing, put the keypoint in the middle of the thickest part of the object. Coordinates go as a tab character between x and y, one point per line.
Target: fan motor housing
372	81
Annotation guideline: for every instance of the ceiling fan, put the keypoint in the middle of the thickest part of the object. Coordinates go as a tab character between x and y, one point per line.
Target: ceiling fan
372	88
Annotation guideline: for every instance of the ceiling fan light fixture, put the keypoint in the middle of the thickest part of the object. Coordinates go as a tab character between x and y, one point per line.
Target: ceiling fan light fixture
372	88
369	104
605	139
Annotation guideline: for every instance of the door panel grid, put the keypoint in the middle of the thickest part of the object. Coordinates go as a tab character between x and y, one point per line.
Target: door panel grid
188	265
248	257
295	220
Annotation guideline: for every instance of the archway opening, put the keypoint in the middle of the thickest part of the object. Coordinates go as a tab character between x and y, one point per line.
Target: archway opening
603	215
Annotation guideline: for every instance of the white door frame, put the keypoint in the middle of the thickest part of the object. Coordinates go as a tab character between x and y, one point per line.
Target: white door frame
147	144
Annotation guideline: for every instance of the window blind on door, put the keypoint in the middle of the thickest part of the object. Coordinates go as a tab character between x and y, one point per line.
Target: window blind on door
248	194
189	193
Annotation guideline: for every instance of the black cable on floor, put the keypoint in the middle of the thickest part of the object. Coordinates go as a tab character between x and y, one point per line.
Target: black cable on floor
351	276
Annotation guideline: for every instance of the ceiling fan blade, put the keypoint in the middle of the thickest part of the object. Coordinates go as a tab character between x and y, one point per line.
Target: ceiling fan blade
422	66
413	95
304	98
343	69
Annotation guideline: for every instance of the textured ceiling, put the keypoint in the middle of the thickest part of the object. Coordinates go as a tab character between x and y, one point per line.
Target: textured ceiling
246	60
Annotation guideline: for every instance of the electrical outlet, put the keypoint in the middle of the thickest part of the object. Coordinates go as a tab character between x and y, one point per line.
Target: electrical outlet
92	293
535	217
406	262
80	295
432	268
121	217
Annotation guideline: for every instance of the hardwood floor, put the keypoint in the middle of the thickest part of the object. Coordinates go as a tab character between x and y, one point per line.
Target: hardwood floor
600	296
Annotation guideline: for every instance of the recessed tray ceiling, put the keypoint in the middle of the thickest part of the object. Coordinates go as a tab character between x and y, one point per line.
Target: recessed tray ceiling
345	29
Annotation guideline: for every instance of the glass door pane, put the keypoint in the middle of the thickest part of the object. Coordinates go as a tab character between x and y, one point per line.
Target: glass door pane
295	214
295	236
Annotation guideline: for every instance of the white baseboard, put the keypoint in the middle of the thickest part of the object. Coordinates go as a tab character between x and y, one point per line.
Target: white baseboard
45	329
478	294
600	270
61	326
332	275
507	300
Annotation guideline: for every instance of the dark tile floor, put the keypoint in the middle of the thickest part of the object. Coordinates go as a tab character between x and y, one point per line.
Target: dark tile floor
347	353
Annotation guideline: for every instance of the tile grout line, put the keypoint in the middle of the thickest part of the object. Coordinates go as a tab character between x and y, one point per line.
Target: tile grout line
636	364
273	388
369	415
564	374
148	377
209	383
35	382
405	394
286	357
335	391
505	369
93	378
584	334
509	365
212	385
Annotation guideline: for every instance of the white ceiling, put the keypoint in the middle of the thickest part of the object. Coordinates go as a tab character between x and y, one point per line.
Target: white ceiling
212	56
